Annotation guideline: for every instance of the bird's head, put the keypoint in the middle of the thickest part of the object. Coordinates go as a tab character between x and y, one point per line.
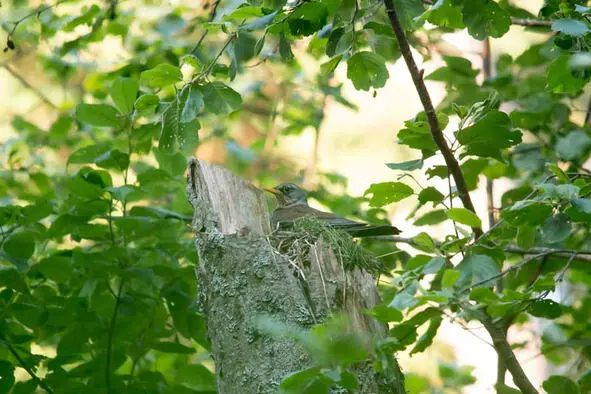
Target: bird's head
288	194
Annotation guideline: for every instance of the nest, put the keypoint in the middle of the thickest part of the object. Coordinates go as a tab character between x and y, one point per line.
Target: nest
295	243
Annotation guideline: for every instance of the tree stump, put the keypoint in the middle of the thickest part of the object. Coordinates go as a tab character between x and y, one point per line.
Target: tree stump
240	277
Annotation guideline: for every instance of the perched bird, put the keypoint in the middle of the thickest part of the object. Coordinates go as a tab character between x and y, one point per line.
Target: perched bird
293	204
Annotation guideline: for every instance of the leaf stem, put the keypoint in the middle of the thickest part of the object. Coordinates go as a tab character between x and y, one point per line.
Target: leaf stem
110	336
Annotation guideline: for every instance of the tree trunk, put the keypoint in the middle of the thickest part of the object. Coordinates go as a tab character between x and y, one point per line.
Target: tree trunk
241	277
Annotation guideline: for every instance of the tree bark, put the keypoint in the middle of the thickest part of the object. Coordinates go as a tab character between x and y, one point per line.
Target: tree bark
241	277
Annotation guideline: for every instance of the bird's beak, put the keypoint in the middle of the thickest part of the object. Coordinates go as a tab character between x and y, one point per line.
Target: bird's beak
272	190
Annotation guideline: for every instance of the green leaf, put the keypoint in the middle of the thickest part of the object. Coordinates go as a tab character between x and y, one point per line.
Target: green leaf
444	14
580	211
406	165
193	104
6	376
477	268
450	277
488	136
547	309
405	299
385	313
387	192
161	76
415	384
101	156
426	339
556	228
172	347
113	160
192	61
56	268
146	104
572	27
559	78
585	381
485	18
98	115
367	70
434	265
220	99
532	213
464	216
300	379
424	242
526	236
121	193
307	19
328	67
560	385
123	93
11	278
20	245
430	194
260	22
176	135
574	145
408	11
87	154
430	218
559	192
417	134
285	49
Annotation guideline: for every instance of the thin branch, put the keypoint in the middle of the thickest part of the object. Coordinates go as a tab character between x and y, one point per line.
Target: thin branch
32	88
110	337
581	255
530	22
588	114
506	271
38	11
220	53
450	160
505	353
214	9
487	73
23	364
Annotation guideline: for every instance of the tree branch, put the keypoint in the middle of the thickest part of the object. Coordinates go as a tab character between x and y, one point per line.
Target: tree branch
505	353
214	9
26	84
581	255
23	364
450	160
530	22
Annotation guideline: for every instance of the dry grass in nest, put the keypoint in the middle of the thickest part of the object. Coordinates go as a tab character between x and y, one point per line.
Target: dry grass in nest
295	243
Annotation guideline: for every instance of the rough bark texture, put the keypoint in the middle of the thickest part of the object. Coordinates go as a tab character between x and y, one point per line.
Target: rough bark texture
242	277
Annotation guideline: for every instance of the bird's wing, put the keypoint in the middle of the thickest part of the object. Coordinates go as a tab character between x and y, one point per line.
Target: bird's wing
298	211
357	229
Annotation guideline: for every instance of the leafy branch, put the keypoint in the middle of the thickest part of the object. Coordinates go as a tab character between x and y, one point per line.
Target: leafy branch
436	132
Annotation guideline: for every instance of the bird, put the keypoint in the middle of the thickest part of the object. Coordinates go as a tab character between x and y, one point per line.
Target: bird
293	204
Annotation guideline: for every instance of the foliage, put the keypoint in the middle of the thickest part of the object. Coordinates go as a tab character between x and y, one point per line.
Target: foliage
96	271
